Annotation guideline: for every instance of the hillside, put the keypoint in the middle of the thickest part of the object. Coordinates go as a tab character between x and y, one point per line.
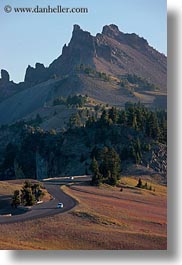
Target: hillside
112	67
137	134
108	90
112	52
103	91
105	218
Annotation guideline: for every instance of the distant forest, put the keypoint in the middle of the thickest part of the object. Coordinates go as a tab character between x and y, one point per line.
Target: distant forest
126	134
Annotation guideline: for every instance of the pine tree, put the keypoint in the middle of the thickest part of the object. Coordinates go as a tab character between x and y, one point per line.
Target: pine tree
152	126
138	151
16	199
27	197
96	177
104	119
110	165
140	184
113	114
122	118
75	121
134	122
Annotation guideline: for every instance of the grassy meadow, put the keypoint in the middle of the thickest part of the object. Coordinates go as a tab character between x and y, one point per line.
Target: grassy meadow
105	218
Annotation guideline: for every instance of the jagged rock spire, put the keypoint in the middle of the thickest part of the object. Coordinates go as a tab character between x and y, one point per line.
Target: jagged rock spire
5	76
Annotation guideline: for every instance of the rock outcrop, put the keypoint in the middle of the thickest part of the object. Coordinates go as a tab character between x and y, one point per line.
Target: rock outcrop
80	50
36	75
5	78
156	159
7	87
112	52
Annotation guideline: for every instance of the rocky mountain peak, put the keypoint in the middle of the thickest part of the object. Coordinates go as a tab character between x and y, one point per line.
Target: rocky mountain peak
76	27
111	30
80	50
5	76
131	39
136	41
113	52
39	66
7	87
80	35
36	75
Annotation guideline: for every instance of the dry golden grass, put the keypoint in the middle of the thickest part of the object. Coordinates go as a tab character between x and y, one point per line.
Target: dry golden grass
6	187
160	190
105	218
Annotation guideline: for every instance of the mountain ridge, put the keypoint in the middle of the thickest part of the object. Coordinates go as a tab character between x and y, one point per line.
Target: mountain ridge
94	65
112	52
95	47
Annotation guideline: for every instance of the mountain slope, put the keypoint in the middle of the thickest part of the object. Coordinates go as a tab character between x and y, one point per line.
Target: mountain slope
112	52
112	67
39	97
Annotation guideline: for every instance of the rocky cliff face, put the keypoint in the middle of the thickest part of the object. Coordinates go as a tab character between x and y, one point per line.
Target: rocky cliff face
36	75
112	52
133	40
156	159
7	87
81	50
4	77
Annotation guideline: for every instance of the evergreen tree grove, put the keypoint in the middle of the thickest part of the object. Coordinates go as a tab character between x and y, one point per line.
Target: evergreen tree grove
29	194
107	169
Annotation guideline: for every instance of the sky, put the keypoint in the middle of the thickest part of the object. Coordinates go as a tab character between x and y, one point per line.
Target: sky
29	38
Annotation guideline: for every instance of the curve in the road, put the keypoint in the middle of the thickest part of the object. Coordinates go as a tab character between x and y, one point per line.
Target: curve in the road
45	209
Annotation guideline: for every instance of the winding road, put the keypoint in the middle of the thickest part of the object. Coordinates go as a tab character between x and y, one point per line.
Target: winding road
44	209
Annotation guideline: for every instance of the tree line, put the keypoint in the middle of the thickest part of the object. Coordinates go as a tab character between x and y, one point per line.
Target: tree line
131	132
153	123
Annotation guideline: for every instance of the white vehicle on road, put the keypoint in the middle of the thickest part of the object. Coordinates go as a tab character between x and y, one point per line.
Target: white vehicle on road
60	205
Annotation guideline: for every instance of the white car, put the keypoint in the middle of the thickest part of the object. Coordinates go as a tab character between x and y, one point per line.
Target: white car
60	205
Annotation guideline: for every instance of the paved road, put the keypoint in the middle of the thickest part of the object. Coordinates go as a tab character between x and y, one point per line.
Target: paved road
45	209
66	180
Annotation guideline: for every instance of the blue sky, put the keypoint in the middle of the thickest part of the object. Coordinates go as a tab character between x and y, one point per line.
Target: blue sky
30	38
